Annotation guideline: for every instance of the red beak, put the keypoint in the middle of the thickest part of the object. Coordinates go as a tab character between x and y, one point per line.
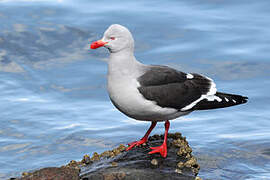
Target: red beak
97	44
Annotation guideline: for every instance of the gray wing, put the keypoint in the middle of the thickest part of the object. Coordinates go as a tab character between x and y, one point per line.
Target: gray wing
171	88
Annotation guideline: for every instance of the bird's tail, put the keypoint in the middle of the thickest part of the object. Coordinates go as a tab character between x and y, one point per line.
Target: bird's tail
225	100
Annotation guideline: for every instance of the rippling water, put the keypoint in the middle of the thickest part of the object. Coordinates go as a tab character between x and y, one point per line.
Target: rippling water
54	105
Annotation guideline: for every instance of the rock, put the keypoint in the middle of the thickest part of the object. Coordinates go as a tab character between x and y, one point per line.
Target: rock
114	164
54	173
118	164
154	162
138	164
86	159
179	171
95	157
181	165
25	174
114	176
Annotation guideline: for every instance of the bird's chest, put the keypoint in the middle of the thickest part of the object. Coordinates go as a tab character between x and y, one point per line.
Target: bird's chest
124	94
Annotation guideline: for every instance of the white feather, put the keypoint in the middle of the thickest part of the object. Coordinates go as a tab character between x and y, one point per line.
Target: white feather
210	96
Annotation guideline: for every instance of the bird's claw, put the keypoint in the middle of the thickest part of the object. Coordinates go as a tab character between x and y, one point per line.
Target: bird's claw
135	144
153	148
160	149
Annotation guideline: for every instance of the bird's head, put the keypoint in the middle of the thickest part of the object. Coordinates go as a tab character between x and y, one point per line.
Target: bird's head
116	38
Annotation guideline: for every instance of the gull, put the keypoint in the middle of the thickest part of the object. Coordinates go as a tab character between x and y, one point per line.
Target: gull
155	93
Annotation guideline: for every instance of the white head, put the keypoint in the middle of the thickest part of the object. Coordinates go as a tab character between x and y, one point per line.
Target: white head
116	38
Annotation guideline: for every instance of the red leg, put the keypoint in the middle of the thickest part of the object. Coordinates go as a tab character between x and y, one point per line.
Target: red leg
144	139
163	148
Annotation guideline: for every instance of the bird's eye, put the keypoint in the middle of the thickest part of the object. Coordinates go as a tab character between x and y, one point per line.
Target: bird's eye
112	38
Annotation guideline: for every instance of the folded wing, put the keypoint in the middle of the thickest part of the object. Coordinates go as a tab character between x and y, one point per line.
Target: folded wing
185	92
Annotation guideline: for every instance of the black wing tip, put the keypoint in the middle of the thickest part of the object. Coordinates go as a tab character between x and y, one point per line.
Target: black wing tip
239	99
227	100
244	99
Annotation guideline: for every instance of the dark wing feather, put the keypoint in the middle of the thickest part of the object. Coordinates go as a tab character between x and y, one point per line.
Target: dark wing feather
160	75
171	88
227	100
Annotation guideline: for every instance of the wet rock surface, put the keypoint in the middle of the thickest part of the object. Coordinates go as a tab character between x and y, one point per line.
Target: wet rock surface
52	173
118	164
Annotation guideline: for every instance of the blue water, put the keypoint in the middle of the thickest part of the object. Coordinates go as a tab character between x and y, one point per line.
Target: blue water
53	102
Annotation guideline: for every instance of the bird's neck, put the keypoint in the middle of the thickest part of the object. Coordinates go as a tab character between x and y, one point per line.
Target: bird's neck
125	53
123	63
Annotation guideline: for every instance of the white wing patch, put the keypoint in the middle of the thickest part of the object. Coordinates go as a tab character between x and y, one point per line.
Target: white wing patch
209	96
213	89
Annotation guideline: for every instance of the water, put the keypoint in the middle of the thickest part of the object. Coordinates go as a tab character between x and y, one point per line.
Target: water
54	105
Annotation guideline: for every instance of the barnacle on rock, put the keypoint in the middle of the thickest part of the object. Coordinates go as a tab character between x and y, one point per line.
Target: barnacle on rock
95	157
119	164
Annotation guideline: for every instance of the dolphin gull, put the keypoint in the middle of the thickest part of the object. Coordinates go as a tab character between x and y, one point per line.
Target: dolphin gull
152	92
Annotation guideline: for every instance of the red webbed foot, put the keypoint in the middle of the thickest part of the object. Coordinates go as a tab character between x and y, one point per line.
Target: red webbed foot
160	149
135	144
